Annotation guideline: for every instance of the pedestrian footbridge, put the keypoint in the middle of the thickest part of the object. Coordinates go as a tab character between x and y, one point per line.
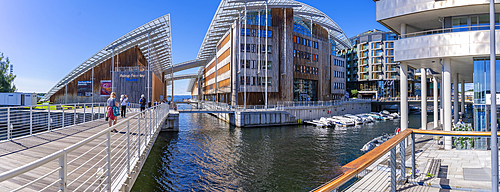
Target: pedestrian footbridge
70	147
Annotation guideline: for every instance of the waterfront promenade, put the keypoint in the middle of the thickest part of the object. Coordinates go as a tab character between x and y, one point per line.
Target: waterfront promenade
83	157
460	170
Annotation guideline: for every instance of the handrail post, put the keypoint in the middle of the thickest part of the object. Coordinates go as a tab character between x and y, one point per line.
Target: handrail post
74	114
92	111
128	147
139	138
8	124
31	120
393	169
402	145
108	161
98	110
413	174
48	118
84	114
63	172
150	125
62	115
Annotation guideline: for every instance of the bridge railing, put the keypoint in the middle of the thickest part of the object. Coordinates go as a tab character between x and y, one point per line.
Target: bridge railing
102	162
375	160
280	105
22	121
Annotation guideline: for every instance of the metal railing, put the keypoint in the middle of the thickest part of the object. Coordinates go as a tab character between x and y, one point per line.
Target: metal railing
280	105
447	30
374	160
28	120
101	162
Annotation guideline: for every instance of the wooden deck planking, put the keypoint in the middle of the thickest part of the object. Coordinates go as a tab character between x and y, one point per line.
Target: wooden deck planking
19	152
374	181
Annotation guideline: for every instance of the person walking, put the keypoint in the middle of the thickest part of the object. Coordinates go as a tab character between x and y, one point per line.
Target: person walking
124	101
109	109
142	102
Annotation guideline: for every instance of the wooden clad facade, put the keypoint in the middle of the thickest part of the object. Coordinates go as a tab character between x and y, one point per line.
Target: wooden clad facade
132	57
227	83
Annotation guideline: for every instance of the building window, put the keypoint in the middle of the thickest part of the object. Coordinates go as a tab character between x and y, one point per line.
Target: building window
390	52
389	60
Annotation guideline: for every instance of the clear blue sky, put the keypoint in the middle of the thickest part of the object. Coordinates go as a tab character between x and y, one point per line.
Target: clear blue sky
45	40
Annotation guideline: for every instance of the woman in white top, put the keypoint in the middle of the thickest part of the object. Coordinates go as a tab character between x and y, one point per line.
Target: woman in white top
124	101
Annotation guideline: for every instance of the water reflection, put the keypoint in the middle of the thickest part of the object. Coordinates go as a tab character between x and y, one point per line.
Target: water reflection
209	155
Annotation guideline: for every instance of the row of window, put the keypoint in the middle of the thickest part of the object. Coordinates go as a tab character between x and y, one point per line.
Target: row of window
338	86
305	55
305	42
338	74
306	69
252	48
253	64
259	81
256	33
338	63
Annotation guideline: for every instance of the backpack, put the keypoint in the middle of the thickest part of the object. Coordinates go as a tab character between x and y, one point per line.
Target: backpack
142	101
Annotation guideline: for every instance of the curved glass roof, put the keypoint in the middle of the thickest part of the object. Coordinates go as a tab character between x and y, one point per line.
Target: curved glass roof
158	53
229	10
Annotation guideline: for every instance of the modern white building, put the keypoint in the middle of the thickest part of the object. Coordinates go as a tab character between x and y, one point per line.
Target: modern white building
452	38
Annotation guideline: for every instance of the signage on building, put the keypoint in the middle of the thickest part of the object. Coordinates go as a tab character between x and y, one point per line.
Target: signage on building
105	87
84	88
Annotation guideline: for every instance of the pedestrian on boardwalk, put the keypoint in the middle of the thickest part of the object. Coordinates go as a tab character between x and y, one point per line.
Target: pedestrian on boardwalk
109	108
124	101
142	102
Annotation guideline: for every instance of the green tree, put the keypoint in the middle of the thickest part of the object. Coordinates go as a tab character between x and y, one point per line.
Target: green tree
354	93
6	78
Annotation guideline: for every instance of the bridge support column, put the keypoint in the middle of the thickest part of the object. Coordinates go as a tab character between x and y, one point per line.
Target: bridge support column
463	99
171	124
435	96
404	94
456	108
447	101
423	91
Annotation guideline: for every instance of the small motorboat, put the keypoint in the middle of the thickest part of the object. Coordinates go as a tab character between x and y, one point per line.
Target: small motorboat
317	123
377	116
387	116
357	120
375	142
395	115
344	120
336	122
366	118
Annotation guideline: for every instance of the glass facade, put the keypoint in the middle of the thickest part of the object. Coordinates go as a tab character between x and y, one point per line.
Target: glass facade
482	95
471	22
305	90
253	18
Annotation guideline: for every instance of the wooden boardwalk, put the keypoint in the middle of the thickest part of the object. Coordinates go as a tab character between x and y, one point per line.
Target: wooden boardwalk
83	163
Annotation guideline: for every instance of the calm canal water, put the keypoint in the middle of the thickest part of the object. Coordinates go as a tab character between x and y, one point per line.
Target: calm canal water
209	155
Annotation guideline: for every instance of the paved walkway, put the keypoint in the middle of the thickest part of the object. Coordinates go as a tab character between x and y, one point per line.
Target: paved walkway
460	170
